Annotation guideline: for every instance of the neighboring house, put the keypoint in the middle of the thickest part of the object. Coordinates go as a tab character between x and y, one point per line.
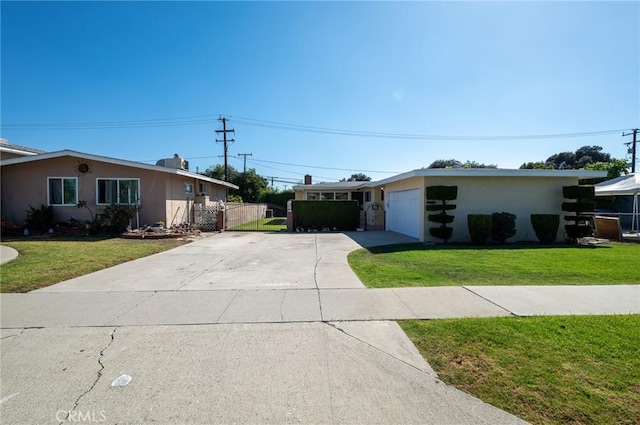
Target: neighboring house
399	202
7	150
166	192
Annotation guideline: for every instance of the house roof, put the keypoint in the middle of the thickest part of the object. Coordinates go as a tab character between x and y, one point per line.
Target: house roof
5	146
457	172
116	161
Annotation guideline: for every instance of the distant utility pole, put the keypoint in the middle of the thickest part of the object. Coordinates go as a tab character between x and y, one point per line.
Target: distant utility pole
245	159
633	147
224	132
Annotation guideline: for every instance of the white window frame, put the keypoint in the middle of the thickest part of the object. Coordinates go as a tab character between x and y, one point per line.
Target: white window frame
188	188
118	179
62	179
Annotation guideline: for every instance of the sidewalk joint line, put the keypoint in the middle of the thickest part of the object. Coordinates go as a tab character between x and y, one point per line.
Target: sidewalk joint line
227	307
381	350
404	303
134	306
490	301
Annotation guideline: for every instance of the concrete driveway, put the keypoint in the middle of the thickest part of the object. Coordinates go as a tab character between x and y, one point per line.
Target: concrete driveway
235	328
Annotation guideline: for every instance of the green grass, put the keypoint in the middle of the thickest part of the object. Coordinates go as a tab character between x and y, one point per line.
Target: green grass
263	225
546	370
423	265
43	262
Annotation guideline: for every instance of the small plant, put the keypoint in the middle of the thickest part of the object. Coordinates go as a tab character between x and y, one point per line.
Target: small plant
39	220
442	194
83	204
479	228
545	227
503	226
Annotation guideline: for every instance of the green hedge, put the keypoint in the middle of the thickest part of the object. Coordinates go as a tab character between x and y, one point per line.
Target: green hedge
321	215
479	228
503	226
545	226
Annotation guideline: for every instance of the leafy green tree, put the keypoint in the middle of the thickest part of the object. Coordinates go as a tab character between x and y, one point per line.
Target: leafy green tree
445	163
614	168
580	158
251	185
217	172
474	164
537	166
359	177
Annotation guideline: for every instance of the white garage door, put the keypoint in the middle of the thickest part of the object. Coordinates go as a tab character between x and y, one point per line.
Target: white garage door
403	212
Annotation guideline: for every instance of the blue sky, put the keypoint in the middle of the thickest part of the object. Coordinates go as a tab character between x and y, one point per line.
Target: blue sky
469	69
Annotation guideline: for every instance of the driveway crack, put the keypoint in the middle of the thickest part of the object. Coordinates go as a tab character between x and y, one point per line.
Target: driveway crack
95	382
315	277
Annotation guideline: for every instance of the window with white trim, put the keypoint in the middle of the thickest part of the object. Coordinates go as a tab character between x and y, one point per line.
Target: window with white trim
118	191
188	188
62	191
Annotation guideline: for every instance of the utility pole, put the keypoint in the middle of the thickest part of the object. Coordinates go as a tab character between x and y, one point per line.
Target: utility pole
245	159
633	147
224	132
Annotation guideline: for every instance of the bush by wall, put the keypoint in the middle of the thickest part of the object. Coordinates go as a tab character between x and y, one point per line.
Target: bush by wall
322	215
39	220
545	227
479	228
503	226
442	194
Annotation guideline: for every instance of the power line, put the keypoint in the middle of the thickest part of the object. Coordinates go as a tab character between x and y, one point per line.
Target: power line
210	118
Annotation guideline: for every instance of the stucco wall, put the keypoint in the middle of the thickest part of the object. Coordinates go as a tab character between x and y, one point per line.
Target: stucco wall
162	195
521	196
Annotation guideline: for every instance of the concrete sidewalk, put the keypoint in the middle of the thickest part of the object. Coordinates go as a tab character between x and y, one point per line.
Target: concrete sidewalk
121	308
251	328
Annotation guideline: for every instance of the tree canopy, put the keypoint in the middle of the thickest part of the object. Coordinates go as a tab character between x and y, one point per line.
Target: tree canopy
454	163
252	187
359	177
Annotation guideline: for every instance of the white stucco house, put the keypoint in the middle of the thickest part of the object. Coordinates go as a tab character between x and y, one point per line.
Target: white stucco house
398	203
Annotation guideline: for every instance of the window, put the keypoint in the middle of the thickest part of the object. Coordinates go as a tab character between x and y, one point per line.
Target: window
188	188
62	191
118	191
342	196
328	196
313	196
367	196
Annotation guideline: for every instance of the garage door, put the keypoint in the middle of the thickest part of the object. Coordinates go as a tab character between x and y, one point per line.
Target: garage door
403	212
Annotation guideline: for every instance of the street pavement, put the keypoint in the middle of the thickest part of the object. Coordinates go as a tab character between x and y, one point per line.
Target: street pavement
251	328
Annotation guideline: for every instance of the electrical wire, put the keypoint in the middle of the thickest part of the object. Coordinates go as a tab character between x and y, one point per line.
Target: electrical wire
211	118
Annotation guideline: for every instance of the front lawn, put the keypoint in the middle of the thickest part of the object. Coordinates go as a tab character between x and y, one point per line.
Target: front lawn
546	370
263	225
43	262
427	265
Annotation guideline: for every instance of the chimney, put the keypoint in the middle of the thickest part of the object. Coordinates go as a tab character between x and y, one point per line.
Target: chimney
307	179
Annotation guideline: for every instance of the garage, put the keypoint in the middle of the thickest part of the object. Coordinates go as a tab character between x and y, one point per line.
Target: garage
403	212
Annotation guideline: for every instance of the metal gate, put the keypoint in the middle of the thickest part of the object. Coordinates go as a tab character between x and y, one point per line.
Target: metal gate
255	217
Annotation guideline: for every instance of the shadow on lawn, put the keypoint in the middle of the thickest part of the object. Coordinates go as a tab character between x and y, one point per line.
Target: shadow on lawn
58	238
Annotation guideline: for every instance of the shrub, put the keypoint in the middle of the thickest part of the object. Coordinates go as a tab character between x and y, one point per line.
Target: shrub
479	228
117	217
39	220
583	203
545	226
503	226
318	215
442	194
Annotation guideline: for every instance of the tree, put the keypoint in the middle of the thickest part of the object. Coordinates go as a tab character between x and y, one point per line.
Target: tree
580	158
252	187
359	177
537	166
474	164
454	163
445	163
614	168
